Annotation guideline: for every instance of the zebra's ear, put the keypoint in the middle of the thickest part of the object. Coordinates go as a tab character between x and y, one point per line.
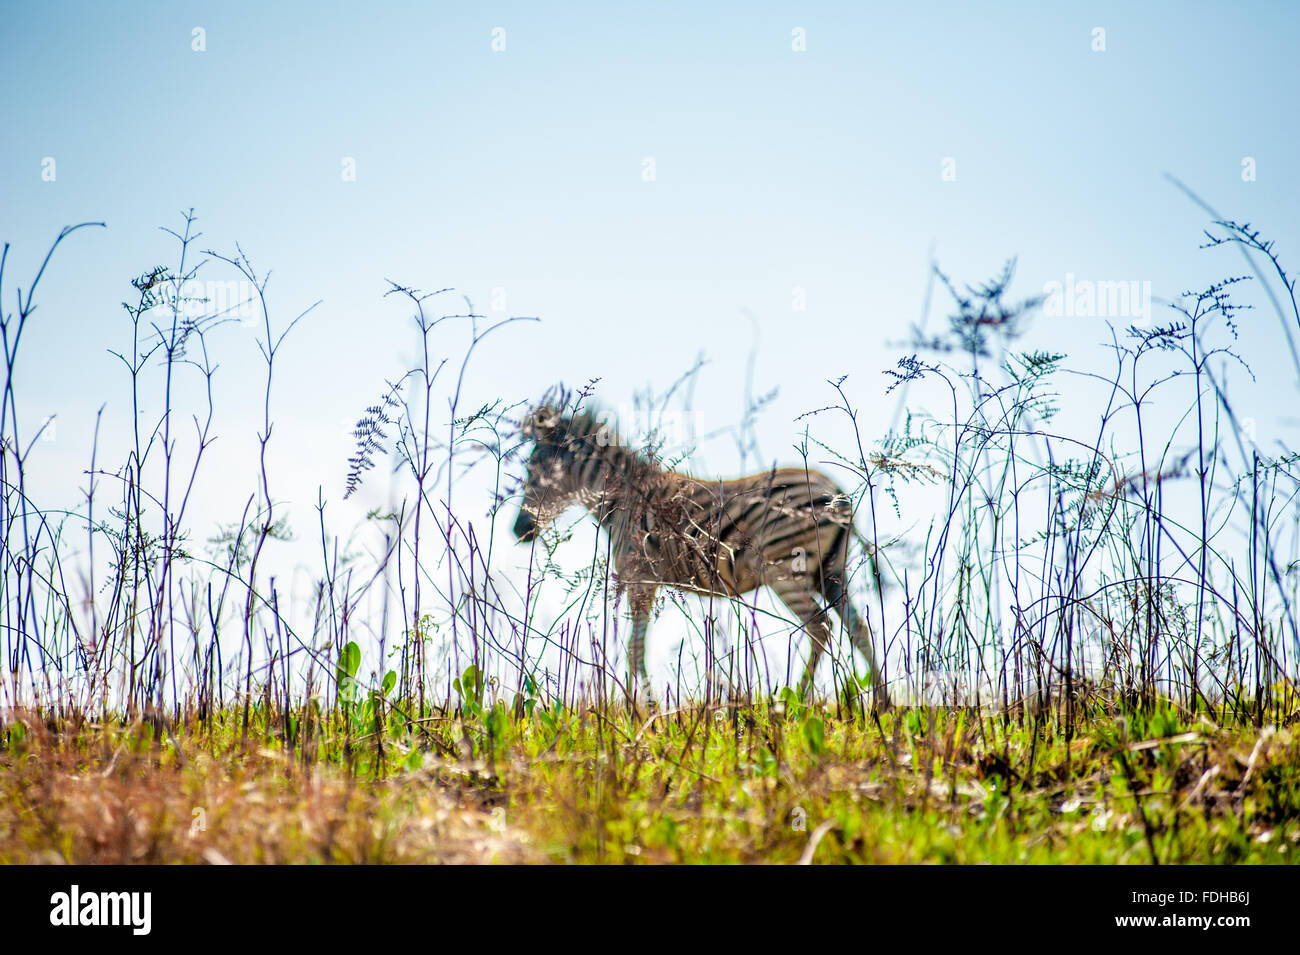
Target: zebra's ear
541	424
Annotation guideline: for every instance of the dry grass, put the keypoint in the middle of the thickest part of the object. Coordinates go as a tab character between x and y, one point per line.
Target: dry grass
731	784
107	795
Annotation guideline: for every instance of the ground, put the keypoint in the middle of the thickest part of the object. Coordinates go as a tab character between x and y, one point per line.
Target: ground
769	781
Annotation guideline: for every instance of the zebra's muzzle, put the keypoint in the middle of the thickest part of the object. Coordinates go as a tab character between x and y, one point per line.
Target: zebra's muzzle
525	527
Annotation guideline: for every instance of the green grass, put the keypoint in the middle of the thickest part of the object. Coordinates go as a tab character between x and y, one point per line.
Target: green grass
770	782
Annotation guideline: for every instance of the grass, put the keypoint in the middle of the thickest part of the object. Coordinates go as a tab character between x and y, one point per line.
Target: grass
775	782
1119	600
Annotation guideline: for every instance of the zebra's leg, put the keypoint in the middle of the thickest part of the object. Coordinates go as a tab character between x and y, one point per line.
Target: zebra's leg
803	603
641	599
860	634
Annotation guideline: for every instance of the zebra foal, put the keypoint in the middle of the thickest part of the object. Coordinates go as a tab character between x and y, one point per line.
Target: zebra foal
787	529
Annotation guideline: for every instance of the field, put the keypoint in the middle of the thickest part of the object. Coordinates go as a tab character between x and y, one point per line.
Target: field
744	783
1092	636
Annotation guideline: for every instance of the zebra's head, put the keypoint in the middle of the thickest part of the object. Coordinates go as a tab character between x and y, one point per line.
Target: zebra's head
551	482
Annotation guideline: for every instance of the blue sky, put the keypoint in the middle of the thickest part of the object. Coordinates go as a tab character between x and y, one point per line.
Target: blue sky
522	170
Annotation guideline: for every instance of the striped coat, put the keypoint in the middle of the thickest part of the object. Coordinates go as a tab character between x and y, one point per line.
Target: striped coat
788	529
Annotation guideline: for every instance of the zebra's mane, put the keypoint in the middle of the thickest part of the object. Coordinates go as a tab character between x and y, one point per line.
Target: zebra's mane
586	432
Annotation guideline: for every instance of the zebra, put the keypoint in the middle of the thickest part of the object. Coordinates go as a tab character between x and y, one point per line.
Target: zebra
787	529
